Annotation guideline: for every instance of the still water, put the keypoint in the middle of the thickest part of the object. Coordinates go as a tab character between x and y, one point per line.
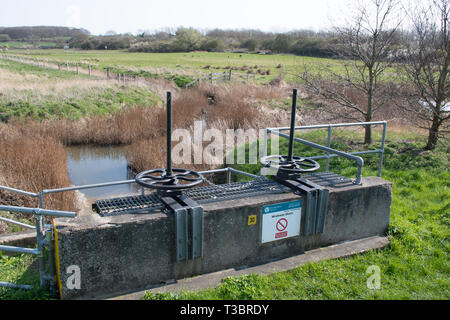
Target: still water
91	165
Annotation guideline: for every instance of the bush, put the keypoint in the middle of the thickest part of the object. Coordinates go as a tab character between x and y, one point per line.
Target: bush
4	38
182	81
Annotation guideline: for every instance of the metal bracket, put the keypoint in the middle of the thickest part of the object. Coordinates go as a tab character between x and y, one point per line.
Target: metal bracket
316	202
188	226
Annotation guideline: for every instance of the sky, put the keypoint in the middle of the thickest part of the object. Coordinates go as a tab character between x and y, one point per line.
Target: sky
101	16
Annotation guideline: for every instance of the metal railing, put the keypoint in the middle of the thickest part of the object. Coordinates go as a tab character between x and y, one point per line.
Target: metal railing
330	152
44	237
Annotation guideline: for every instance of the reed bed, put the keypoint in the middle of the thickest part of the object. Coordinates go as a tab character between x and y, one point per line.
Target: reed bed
33	163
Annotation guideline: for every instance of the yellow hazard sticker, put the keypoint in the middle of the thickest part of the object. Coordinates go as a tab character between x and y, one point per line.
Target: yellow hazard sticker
252	220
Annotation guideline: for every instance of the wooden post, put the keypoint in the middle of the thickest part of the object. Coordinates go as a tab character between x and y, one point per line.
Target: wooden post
229	76
90	70
67	65
77	68
107	73
59	67
210	77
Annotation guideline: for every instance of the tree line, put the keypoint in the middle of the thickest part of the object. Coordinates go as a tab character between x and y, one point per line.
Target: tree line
38	33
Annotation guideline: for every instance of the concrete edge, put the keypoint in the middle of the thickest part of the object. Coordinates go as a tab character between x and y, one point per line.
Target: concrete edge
27	237
211	280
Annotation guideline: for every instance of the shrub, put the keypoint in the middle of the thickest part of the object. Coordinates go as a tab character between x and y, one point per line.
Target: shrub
181	81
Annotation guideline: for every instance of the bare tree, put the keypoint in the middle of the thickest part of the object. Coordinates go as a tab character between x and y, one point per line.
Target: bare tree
366	42
426	69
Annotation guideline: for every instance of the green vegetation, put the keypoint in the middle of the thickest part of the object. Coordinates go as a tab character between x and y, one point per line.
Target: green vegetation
414	266
46	73
21	269
75	104
193	63
51	94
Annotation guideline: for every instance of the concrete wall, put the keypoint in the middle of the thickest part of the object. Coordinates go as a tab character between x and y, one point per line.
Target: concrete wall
134	252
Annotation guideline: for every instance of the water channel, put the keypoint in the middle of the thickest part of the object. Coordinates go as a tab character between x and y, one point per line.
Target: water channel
91	165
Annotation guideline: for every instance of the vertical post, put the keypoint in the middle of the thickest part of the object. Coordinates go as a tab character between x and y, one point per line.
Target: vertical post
77	69
107	73
169	133
329	146
67	65
90	70
40	248
265	147
229	175
40	242
383	138
59	67
210	77
292	132
229	75
49	237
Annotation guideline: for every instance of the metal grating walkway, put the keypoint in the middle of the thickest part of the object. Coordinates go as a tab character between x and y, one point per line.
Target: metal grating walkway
212	193
327	179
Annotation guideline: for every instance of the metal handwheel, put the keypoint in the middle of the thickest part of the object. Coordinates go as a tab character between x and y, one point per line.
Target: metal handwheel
168	179
296	165
161	179
290	164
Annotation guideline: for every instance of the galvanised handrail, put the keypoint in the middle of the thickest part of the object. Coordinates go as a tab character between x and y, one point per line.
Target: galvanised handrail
333	152
41	234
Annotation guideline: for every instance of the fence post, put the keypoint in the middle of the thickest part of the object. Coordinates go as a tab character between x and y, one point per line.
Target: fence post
77	68
90	70
59	67
329	146
107	73
67	65
229	76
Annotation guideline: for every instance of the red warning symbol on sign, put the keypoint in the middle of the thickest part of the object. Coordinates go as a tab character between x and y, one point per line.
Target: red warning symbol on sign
281	224
281	227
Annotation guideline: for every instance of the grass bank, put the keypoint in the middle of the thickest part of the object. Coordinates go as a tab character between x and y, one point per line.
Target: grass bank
36	96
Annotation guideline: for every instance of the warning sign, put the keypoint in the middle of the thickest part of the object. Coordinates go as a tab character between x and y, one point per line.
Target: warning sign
281	221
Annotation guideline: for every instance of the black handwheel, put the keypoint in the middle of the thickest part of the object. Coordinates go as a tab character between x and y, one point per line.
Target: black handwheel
296	165
160	179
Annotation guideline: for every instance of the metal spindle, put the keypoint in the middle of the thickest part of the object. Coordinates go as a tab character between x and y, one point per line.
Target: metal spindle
292	132
169	133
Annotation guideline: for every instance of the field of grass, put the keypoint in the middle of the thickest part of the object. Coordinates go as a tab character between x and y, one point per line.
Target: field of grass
193	63
31	92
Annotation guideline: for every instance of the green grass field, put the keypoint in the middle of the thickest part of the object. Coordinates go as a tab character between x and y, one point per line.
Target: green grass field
192	63
40	93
